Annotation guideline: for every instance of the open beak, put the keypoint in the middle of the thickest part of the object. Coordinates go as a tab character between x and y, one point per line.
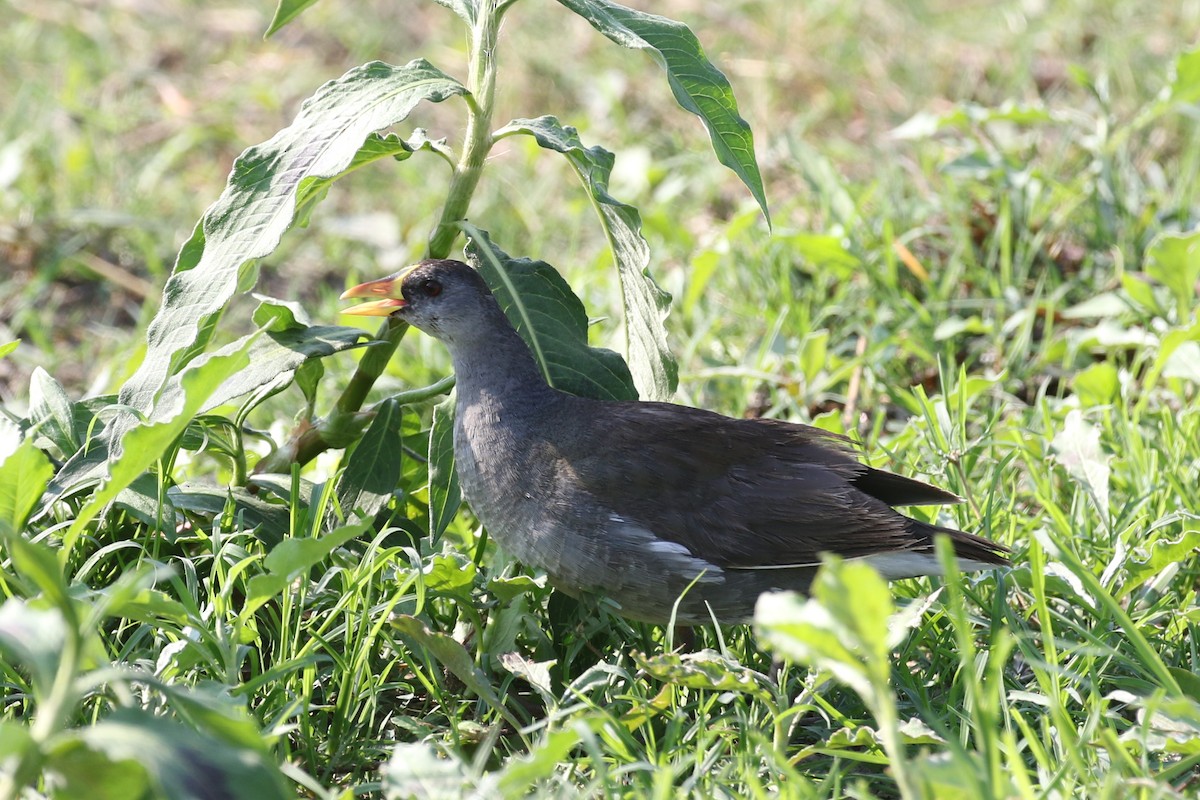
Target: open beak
387	294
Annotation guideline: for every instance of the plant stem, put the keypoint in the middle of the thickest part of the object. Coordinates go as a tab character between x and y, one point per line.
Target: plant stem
478	143
310	442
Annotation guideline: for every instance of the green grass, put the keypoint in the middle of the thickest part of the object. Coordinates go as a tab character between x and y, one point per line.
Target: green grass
1022	348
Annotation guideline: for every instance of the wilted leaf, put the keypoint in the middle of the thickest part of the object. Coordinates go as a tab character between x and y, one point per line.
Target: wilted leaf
1078	448
535	673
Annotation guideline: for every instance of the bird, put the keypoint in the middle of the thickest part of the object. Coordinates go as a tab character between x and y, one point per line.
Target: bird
676	514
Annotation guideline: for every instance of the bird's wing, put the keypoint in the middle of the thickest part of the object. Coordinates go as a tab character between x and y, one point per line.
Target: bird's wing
743	493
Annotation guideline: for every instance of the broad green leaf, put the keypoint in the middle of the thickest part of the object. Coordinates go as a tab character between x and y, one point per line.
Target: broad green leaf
51	411
292	557
1184	86
445	496
552	321
285	12
1174	260
845	628
1149	561
24	476
144	445
1077	447
312	190
259	205
655	372
271	521
179	763
273	360
373	466
520	775
698	86
36	563
33	638
1097	385
8	347
450	574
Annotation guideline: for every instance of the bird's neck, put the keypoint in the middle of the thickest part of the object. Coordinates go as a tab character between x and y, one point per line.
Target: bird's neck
498	370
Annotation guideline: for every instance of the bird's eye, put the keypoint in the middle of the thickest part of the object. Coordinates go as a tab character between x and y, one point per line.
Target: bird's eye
431	288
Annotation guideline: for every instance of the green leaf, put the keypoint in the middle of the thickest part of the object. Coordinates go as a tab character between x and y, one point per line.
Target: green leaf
552	320
9	347
698	86
36	563
142	446
285	12
1097	385
271	521
965	116
1184	85
373	466
51	412
273	359
707	670
844	628
655	372
312	190
1174	260
445	495
33	638
416	772
24	476
450	574
466	9
452	655
259	205
1150	561
178	763
521	774
289	559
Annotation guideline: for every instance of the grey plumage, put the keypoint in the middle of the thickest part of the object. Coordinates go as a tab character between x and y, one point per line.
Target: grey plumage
635	500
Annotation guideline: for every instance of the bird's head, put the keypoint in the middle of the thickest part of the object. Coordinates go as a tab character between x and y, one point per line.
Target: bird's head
442	297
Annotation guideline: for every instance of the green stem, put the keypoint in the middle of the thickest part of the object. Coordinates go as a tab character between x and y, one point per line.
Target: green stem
478	143
309	443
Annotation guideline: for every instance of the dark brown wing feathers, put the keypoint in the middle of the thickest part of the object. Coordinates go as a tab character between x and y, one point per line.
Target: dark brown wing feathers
745	493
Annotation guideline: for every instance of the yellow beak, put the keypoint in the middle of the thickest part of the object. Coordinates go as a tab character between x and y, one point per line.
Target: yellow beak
386	289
